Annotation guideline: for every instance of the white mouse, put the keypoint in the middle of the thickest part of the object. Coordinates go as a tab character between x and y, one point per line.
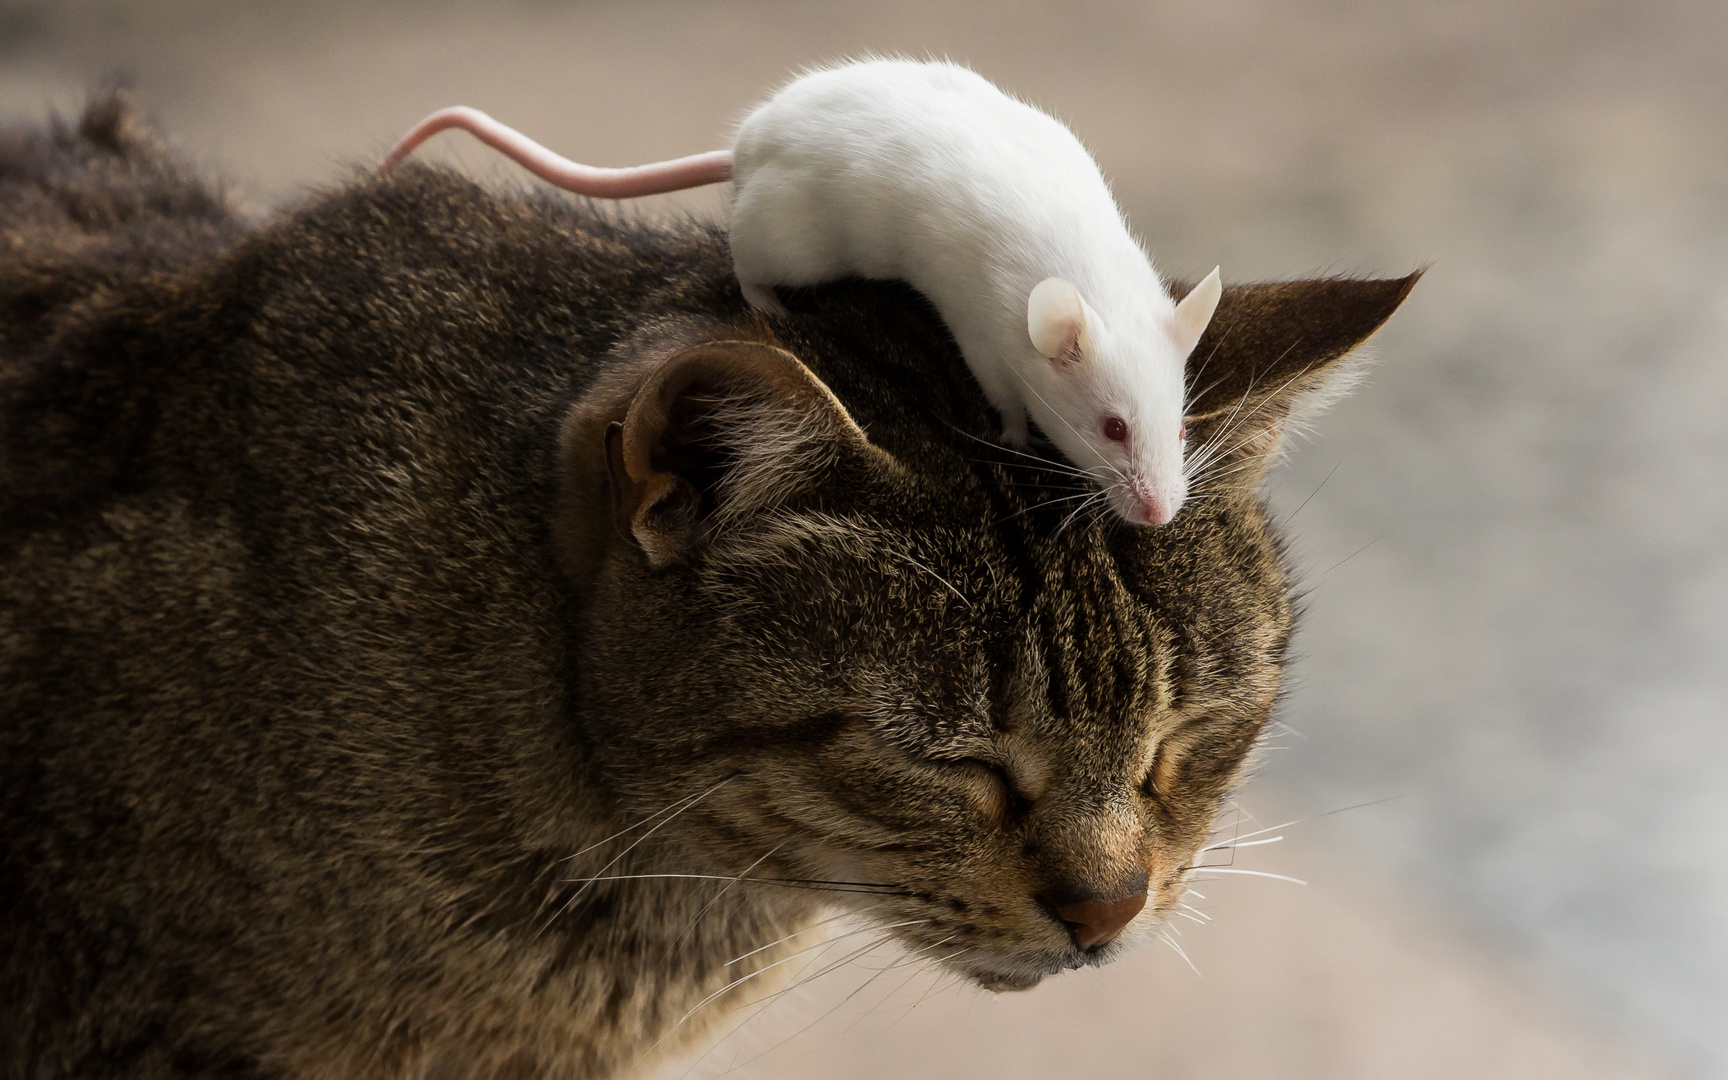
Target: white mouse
927	173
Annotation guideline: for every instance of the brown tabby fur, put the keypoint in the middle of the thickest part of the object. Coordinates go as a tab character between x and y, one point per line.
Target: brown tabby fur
376	573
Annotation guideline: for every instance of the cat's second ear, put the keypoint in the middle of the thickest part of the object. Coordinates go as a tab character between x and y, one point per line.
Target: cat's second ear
1275	354
720	432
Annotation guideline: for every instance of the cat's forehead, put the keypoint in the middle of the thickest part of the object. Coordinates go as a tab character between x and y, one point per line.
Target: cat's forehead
957	635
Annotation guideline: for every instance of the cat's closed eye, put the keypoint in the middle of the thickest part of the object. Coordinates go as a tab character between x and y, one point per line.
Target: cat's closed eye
1008	801
1166	768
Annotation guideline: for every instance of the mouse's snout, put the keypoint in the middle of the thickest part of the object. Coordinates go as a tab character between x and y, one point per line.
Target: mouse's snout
1155	511
1149	503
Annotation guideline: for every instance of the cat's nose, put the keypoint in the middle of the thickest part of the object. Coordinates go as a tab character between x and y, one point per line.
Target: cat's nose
1094	919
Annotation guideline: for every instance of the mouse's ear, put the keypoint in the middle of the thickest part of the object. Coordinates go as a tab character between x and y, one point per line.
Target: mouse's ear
1275	355
718	433
1056	319
1194	313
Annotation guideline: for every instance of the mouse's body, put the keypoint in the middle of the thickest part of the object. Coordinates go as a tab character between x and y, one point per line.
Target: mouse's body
927	173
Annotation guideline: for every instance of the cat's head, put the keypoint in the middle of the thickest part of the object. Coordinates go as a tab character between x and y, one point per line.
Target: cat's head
858	645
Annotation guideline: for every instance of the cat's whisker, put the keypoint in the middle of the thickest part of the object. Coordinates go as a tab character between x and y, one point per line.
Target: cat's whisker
577	895
889	996
1355	553
1304	821
1196	912
795	933
915	956
865	985
747	976
827	944
763	1004
1292	515
944	973
865	888
940	973
677	805
1239	870
1170	941
726	889
920	953
803	980
1238	843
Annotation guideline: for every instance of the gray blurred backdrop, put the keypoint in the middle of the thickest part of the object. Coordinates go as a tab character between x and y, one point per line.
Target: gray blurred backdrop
1512	535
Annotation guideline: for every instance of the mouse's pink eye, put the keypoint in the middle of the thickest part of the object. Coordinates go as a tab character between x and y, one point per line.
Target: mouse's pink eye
1115	429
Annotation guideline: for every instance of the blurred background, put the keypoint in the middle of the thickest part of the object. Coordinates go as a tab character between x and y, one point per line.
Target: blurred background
1514	537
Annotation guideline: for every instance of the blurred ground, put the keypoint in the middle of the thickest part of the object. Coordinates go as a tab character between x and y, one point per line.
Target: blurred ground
1514	533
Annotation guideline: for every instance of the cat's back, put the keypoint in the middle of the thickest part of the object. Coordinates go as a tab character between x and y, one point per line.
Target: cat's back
240	437
271	523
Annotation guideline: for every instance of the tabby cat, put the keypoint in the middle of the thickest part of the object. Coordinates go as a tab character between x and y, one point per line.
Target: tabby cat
444	633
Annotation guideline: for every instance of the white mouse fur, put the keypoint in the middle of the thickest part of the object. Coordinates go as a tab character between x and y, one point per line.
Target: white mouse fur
926	172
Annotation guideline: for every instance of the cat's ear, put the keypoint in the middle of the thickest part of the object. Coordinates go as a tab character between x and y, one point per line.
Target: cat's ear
1056	319
719	432
1273	356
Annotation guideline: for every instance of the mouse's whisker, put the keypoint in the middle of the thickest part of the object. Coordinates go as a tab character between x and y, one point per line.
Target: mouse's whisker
1188	383
1038	459
1212	449
1090	494
1091	503
1084	441
1231	421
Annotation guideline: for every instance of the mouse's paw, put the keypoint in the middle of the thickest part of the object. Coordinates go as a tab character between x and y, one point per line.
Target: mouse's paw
1014	431
762	298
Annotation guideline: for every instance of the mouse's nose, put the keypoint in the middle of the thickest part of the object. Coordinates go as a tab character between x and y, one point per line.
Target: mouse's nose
1094	920
1155	511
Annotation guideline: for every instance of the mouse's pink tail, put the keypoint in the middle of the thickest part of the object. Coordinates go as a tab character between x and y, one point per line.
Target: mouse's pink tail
663	176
